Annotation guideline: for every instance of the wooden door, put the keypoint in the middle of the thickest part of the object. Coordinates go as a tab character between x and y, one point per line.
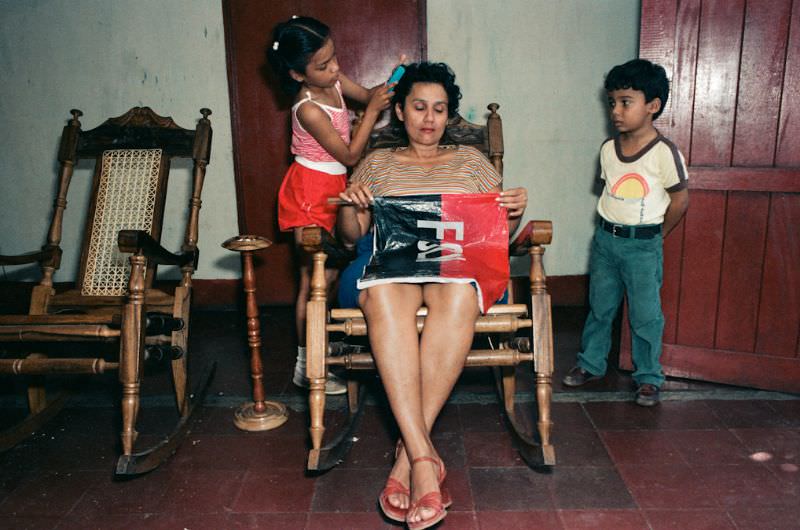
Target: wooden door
369	36
731	291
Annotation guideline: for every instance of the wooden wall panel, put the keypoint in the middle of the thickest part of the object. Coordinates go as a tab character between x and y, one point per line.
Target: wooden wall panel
702	256
779	316
742	258
788	152
763	51
716	82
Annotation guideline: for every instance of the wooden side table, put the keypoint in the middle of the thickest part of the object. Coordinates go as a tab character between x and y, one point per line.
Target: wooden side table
259	414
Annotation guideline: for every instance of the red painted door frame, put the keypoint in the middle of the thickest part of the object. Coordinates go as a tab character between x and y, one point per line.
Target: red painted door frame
369	36
731	291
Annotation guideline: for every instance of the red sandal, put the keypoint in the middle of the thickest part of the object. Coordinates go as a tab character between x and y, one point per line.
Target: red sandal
394	487
432	500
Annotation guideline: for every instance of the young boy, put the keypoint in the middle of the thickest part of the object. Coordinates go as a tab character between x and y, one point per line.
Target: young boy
645	196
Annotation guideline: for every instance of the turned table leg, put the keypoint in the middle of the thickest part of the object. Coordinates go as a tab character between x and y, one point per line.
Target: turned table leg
259	414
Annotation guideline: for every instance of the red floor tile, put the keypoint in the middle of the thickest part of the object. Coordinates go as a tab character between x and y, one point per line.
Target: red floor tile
459	521
710	447
688	519
200	491
266	521
760	518
593	519
31	522
746	484
280	490
621	415
776	445
642	447
657	486
490	449
139	496
350	521
685	415
541	520
460	489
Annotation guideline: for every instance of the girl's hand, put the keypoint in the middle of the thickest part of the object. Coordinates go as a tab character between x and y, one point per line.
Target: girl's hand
380	99
357	194
515	200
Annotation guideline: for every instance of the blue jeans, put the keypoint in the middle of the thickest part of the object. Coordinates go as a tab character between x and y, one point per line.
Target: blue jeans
633	267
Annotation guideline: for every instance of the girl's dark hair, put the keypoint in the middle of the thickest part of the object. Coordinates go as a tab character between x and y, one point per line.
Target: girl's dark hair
641	75
293	43
426	72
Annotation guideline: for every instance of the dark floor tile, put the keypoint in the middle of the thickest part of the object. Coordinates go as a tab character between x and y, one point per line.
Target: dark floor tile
580	447
490	449
621	415
685	415
199	491
28	522
266	521
590	488
350	521
656	486
541	520
481	418
108	522
760	518
570	416
349	490
280	490
741	414
746	484
709	447
458	485
173	521
715	519
642	447
592	519
510	488
107	497
47	494
789	410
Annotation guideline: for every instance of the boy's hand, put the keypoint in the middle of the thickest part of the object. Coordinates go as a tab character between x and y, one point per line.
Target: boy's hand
515	200
357	194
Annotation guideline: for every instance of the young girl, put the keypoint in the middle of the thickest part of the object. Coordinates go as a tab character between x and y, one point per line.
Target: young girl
303	57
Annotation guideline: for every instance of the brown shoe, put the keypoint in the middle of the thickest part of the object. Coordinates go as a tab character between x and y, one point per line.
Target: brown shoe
579	377
647	395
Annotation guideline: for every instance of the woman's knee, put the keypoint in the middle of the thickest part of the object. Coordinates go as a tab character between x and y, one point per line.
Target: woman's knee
458	299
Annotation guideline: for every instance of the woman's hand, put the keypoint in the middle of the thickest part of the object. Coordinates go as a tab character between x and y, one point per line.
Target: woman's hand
514	200
358	194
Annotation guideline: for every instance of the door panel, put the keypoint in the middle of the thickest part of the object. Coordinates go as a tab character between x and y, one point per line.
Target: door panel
369	36
731	291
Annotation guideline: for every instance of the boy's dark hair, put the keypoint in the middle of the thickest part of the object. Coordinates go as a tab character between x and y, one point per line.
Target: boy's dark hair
426	72
293	43
642	75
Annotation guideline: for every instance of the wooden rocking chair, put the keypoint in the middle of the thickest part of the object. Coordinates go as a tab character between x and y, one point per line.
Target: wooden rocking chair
114	299
501	321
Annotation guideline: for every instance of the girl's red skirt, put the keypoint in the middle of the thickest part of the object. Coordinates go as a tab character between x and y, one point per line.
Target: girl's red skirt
303	197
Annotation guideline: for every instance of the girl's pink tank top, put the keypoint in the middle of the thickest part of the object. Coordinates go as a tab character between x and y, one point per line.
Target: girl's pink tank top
305	145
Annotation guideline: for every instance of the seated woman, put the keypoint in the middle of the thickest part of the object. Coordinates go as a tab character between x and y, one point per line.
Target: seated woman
419	371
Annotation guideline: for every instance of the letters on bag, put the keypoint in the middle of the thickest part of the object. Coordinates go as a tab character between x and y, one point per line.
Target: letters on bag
461	238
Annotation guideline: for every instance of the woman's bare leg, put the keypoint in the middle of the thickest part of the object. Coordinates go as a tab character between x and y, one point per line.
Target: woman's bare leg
390	311
444	345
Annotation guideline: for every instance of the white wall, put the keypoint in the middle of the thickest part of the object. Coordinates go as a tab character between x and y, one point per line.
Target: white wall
103	57
544	63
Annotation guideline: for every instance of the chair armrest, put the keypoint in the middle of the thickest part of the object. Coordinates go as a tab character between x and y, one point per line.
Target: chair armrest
317	239
138	241
47	254
533	233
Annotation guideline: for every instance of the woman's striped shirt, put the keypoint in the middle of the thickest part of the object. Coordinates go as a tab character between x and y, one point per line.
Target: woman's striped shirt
467	172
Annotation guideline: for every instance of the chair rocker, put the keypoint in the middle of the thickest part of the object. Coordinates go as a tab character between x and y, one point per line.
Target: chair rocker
114	300
502	322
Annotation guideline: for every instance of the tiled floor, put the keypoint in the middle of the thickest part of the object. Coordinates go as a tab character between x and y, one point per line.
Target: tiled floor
708	457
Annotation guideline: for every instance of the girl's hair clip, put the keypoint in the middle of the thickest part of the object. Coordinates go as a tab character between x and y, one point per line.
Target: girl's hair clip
275	45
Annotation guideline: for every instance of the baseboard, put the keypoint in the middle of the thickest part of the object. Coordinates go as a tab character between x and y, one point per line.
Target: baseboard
227	293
